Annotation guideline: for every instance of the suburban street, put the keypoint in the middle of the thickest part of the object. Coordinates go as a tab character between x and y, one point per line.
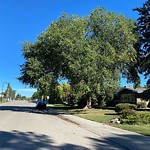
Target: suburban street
22	127
90	60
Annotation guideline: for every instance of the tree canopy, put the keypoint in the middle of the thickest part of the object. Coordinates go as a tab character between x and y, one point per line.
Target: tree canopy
143	28
91	52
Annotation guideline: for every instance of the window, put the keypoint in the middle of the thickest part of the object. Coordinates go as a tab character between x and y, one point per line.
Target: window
127	98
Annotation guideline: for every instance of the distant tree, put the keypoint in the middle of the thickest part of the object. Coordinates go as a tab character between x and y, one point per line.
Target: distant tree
13	94
36	95
138	86
18	97
61	92
143	28
64	92
24	98
145	86
10	93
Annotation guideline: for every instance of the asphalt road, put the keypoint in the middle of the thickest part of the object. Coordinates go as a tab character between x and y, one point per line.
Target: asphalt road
22	127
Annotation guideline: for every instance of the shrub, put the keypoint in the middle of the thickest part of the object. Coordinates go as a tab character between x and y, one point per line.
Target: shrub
123	106
138	118
129	120
144	117
128	112
142	104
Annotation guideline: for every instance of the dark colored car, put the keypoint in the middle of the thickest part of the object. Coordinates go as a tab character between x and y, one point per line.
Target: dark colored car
41	104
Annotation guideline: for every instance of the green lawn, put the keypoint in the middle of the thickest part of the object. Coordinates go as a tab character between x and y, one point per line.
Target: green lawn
60	107
103	116
97	115
142	129
3	101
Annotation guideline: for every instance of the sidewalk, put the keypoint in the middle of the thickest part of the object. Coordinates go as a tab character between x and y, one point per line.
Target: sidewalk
126	139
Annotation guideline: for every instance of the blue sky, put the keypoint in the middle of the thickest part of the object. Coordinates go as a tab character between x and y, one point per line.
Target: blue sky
24	20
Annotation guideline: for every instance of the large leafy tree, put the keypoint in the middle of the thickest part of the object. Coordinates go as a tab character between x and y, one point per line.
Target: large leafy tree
90	52
143	28
34	73
112	38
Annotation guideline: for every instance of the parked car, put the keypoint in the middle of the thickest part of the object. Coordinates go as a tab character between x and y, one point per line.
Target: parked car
41	104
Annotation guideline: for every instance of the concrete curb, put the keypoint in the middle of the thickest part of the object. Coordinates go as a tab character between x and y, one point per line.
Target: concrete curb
127	139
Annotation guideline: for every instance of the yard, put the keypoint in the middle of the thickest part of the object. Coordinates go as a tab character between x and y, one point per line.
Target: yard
104	116
3	101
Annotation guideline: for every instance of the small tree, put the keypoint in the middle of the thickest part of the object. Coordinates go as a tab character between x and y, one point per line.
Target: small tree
64	93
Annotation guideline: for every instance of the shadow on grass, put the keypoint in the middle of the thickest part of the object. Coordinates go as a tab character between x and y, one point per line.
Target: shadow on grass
68	109
111	114
54	110
78	111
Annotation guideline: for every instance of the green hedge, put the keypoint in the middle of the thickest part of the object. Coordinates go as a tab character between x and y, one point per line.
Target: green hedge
124	106
128	112
138	118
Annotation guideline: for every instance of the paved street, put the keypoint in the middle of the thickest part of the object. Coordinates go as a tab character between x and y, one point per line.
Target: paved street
22	127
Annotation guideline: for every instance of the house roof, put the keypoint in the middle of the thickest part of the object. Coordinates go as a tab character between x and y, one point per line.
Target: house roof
137	90
140	90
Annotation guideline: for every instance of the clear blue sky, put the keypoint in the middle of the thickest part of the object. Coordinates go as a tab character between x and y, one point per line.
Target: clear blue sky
24	20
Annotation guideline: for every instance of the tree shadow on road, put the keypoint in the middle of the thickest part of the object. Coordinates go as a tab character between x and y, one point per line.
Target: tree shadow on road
49	110
122	141
16	140
23	140
106	144
28	109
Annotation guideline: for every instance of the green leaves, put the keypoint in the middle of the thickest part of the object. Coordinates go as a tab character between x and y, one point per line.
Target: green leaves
10	93
143	28
90	52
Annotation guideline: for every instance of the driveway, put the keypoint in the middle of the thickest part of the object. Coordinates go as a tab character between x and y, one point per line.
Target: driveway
22	127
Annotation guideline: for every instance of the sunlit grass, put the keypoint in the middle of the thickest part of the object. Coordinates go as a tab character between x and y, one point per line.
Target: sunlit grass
142	129
104	116
3	101
97	115
57	105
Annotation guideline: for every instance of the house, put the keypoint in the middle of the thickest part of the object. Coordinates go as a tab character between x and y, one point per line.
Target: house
1	95
131	95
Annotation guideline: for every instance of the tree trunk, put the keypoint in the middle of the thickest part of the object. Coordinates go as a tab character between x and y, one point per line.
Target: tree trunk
89	101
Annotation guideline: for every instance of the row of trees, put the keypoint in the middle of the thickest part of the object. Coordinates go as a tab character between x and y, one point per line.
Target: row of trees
20	97
10	94
91	52
61	95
